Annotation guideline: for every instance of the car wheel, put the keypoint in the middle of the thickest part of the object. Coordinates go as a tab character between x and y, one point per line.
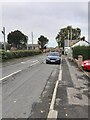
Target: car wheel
59	62
46	62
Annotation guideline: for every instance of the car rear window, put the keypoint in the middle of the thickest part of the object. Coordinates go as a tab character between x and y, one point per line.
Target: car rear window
54	54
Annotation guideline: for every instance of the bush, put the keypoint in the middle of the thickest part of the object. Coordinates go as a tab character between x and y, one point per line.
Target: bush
4	55
81	50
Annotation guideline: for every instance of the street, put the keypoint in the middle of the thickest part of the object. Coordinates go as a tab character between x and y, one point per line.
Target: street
21	90
28	86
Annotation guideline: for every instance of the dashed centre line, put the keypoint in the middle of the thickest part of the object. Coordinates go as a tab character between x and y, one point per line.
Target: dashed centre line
34	62
29	61
10	75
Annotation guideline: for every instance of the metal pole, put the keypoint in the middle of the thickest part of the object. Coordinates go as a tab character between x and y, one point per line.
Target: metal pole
71	32
27	44
68	38
32	39
71	36
3	32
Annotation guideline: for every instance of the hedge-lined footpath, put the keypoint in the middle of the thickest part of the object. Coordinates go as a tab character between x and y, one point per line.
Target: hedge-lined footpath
81	50
4	55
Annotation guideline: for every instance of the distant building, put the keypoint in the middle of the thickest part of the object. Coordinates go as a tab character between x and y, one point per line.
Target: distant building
69	43
66	43
34	46
72	42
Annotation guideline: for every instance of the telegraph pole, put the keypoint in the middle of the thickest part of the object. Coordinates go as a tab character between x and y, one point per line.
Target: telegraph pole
32	39
3	32
71	32
27	42
68	38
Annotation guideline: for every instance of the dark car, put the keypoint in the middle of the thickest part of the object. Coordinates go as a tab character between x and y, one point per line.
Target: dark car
53	57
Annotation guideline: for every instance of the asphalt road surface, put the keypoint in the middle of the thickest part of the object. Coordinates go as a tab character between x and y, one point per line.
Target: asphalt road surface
28	86
23	84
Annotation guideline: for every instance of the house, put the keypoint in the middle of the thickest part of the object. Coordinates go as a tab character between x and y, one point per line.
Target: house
68	50
72	42
34	46
69	43
81	43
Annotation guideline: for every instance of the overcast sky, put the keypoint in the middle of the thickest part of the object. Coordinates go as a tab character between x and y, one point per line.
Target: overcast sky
44	18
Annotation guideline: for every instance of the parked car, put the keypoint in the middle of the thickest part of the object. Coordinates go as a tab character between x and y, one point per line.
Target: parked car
86	65
53	57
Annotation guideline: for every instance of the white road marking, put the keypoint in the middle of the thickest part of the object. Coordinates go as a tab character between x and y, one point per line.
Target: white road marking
54	96
52	113
60	76
22	62
34	63
29	61
10	75
26	61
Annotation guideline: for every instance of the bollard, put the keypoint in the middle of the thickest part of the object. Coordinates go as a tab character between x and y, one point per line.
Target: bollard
80	59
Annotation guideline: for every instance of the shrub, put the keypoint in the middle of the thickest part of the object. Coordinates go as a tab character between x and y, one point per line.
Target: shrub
81	50
4	55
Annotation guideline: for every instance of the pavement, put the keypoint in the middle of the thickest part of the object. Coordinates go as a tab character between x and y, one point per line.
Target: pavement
73	94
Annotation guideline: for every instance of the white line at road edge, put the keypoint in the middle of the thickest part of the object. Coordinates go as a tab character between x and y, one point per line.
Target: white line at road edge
10	75
52	113
55	89
54	96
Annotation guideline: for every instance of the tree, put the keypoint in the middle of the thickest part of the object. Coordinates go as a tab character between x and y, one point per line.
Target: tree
42	41
17	39
67	33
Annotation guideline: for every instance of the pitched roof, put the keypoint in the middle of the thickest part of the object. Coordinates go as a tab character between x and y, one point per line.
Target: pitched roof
81	43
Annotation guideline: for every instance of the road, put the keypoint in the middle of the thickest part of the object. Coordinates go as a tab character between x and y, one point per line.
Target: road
28	89
22	85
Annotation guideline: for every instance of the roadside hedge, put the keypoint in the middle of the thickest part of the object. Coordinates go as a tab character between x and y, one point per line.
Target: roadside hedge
5	55
81	50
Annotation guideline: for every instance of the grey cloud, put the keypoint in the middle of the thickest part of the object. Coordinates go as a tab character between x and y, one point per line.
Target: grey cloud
44	18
